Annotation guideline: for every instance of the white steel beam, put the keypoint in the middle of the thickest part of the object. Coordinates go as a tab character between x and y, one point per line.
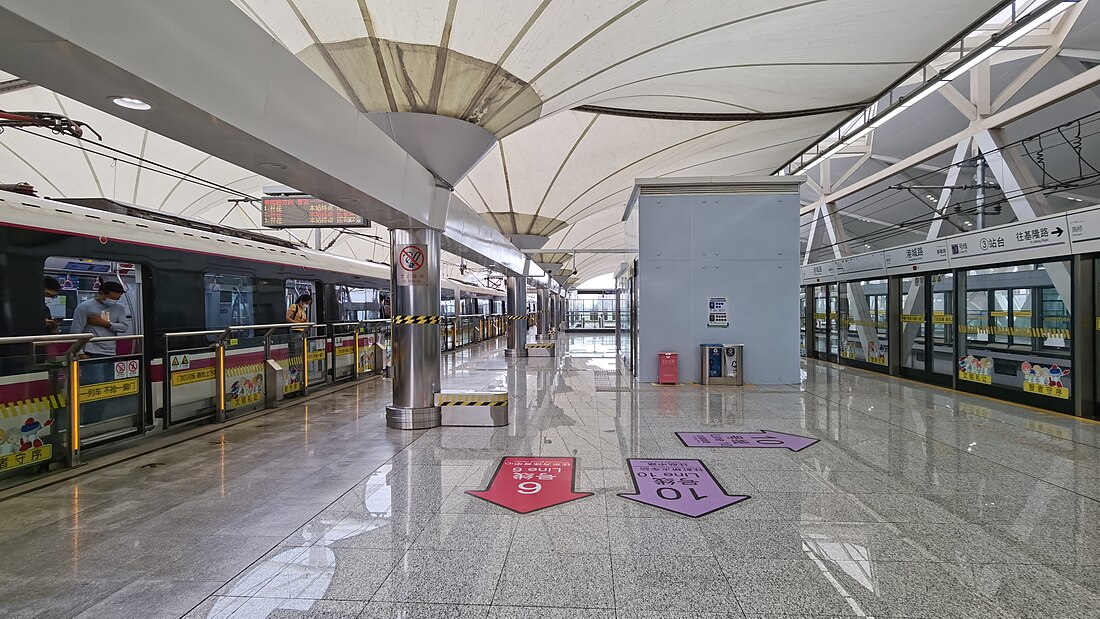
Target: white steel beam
1088	55
961	103
1064	90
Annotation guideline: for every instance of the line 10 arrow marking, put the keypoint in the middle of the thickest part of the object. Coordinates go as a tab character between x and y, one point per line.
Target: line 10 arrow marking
763	438
686	487
527	484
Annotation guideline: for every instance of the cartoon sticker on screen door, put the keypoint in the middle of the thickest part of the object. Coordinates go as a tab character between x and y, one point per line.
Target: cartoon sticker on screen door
976	370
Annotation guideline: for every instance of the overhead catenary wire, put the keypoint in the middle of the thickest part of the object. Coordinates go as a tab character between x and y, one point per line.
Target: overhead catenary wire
140	162
882	199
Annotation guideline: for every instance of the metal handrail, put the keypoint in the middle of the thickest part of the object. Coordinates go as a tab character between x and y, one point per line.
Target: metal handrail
45	339
288	325
116	338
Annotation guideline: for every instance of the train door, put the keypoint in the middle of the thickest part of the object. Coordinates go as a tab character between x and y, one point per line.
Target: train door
295	288
80	279
113	372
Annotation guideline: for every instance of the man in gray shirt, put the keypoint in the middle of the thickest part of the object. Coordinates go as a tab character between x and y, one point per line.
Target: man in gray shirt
102	316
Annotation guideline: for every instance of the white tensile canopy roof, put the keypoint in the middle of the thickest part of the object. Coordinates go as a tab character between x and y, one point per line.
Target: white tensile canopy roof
584	97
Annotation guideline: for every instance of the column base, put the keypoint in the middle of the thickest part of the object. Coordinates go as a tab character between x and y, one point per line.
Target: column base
401	418
512	352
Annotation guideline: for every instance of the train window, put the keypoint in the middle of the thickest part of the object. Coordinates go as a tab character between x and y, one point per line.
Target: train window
357	303
229	300
80	279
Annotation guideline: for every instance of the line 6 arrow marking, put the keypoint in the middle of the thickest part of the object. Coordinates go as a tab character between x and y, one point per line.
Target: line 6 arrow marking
763	438
686	487
1058	231
527	484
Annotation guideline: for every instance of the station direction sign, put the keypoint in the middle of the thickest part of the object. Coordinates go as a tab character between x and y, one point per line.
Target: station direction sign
819	273
861	266
763	439
685	487
921	257
525	484
1084	231
1029	240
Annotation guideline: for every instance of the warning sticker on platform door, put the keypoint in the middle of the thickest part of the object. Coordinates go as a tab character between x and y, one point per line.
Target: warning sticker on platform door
180	362
411	265
106	391
127	369
717	315
192	376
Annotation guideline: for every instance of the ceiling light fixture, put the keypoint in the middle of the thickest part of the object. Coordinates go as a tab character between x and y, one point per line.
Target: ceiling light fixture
132	103
273	165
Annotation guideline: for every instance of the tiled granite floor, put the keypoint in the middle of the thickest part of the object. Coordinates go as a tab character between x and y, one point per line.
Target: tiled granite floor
916	502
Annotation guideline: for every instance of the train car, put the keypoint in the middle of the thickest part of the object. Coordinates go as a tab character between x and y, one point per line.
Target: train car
179	276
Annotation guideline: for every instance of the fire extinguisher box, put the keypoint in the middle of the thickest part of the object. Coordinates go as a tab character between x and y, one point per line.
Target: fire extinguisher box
668	369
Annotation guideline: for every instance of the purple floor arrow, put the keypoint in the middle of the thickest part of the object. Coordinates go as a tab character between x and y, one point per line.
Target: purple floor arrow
685	487
763	438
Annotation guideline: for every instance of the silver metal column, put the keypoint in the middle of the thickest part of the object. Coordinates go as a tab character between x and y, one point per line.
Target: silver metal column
544	312
414	292
517	317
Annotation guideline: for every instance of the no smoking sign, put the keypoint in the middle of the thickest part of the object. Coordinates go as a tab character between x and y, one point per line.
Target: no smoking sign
412	260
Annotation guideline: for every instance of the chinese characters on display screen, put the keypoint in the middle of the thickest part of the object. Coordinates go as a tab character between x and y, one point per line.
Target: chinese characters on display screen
306	212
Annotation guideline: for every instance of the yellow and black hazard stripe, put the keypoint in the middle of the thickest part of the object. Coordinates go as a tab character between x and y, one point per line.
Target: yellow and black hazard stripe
473	403
541	345
417	320
517	317
32	406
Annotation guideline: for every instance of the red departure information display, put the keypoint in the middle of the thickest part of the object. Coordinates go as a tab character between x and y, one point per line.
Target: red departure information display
306	212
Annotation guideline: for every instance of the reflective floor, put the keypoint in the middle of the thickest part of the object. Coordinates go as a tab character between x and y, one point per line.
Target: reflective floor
915	502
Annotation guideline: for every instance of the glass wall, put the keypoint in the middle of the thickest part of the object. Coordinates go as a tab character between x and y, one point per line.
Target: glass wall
591	311
834	321
927	307
1016	334
943	324
863	336
802	322
914	317
821	325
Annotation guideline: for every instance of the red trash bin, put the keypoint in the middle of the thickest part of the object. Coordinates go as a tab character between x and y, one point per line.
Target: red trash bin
668	372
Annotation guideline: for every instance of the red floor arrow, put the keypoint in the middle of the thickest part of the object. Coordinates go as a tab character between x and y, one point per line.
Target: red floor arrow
525	484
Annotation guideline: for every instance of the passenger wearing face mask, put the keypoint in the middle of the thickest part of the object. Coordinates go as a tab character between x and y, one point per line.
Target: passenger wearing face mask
102	316
51	289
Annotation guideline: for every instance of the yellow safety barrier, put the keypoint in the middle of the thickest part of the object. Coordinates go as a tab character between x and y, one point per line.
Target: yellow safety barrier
417	320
